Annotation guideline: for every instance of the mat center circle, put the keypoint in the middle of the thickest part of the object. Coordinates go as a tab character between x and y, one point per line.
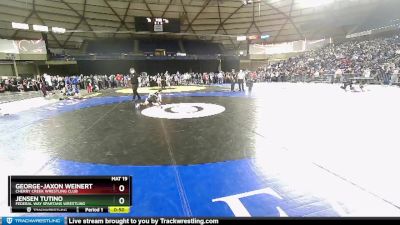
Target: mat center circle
183	110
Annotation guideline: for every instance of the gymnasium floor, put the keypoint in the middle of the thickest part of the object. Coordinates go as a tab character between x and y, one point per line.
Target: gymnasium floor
285	150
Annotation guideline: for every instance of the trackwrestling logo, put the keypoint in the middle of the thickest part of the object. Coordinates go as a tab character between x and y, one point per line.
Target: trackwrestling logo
33	220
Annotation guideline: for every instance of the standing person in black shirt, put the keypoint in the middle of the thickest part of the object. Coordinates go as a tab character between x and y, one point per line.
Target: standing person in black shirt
135	83
43	86
233	80
164	80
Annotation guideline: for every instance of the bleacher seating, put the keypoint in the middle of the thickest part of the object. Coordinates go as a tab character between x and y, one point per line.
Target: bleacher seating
111	46
150	45
194	47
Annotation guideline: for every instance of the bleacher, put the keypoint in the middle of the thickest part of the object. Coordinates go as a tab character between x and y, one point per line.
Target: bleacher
110	46
194	47
148	46
147	49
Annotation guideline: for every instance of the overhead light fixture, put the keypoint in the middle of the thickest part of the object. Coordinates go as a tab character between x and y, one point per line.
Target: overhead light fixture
253	37
241	38
264	36
58	30
40	28
245	2
21	26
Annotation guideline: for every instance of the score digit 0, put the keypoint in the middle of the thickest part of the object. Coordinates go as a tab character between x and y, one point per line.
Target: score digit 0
121	201
121	188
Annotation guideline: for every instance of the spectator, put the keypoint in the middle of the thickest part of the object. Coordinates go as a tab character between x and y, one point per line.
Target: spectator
241	75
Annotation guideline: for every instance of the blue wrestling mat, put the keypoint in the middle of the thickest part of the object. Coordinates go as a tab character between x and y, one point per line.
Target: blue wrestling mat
218	165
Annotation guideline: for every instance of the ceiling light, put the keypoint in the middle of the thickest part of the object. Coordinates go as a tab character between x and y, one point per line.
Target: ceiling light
22	26
40	28
253	37
245	2
58	30
264	36
241	38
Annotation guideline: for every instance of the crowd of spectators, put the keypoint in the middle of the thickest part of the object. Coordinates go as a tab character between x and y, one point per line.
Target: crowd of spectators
187	78
18	84
377	58
70	85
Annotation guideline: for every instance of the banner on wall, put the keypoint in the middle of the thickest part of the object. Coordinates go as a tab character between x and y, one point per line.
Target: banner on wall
8	46
31	46
23	49
287	47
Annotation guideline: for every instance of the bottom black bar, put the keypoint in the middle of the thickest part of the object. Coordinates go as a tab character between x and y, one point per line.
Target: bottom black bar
211	221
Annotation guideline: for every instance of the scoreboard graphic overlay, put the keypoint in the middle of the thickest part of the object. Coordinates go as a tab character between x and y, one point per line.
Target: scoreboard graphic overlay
70	194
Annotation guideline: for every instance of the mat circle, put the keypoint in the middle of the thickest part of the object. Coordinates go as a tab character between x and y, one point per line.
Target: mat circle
183	110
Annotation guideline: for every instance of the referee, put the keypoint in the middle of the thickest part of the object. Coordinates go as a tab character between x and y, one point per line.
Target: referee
135	83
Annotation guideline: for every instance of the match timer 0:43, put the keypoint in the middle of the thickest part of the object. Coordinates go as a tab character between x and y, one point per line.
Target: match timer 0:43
70	194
